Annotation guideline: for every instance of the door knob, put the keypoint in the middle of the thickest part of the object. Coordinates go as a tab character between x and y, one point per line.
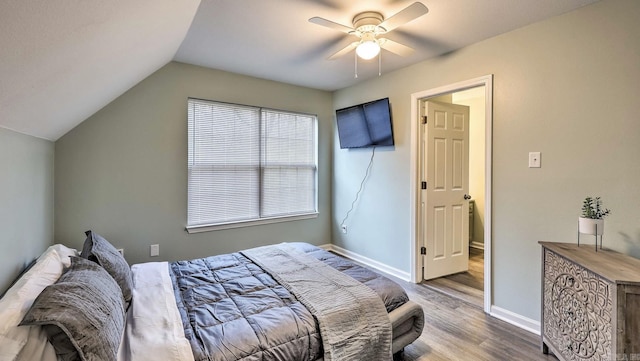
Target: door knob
467	197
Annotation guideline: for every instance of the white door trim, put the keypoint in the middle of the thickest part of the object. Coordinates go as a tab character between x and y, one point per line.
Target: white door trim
487	82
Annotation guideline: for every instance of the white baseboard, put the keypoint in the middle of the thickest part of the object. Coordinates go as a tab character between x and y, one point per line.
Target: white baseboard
515	319
477	245
368	262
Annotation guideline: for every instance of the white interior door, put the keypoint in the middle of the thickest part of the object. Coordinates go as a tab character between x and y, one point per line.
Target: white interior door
445	168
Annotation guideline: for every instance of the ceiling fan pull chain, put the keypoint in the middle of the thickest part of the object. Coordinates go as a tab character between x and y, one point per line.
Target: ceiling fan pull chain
379	63
356	66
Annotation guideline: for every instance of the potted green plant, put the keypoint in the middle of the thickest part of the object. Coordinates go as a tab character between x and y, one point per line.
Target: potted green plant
591	221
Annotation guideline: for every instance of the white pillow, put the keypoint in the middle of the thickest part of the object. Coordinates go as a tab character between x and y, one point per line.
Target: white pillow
19	298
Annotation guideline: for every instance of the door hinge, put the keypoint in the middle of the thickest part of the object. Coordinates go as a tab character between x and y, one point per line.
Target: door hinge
424	119
424	185
423	250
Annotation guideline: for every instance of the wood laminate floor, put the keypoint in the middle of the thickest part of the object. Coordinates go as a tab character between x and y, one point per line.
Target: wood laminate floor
456	327
467	286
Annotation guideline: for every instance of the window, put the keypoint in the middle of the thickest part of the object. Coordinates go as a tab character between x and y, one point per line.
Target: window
249	165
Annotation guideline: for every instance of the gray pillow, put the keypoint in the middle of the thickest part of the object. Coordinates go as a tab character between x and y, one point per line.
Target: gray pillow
82	313
99	250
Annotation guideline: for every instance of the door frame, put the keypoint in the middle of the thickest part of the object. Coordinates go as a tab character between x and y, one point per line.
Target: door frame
416	98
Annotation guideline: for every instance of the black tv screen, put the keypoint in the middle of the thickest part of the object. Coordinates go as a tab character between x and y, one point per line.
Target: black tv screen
365	125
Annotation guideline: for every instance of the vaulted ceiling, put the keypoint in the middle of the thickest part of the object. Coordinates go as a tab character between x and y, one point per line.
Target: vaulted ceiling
63	60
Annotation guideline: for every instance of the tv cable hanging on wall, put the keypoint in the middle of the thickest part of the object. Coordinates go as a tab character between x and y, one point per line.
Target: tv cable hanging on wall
364	179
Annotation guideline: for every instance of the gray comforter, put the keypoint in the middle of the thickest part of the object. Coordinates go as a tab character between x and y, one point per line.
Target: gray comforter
233	310
353	321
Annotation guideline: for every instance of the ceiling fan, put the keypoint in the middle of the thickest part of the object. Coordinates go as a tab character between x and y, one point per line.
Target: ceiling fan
369	26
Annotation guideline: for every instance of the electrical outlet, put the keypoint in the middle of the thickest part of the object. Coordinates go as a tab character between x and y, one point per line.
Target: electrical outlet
344	228
121	251
154	250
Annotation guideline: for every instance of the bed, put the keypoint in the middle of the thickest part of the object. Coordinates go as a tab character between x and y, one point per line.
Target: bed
224	307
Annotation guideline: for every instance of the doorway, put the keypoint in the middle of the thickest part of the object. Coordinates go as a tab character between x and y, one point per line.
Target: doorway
477	95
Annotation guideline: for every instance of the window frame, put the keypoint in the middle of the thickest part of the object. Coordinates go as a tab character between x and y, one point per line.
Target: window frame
262	165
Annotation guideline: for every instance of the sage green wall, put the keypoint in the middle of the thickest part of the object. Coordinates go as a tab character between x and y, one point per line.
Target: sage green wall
123	171
567	87
26	202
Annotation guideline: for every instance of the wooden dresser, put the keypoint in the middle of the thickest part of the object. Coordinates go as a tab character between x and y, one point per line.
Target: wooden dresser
590	303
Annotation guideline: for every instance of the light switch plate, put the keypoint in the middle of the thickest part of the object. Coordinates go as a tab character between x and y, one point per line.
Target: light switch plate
534	160
154	250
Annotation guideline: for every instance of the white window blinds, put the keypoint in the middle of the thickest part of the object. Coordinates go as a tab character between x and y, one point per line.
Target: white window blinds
248	164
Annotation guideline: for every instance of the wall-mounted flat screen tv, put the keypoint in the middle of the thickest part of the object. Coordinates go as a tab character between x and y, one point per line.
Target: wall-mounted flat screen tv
365	125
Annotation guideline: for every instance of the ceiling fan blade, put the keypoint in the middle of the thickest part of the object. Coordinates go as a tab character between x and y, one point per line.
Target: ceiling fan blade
330	24
395	47
421	41
410	13
344	50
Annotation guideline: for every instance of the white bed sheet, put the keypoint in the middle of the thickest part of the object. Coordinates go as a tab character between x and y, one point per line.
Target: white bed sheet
18	343
154	327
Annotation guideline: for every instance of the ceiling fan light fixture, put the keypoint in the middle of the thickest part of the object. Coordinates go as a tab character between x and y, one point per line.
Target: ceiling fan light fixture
368	48
367	26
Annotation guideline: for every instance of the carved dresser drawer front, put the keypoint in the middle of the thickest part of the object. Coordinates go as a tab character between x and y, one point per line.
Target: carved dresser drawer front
590	303
577	310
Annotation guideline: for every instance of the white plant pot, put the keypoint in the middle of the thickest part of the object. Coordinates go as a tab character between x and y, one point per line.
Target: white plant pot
589	226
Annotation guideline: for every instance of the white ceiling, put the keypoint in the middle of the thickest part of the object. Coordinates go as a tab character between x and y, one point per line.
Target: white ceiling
61	61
